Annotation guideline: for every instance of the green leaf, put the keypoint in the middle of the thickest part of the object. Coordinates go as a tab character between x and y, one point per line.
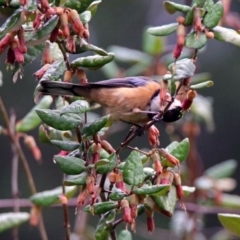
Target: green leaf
55	71
103	154
222	170
226	35
90	129
172	7
79	106
208	5
124	235
54	119
74	4
183	68
231	222
163	30
32	120
172	145
213	16
199	3
133	170
202	85
42	34
157	190
188	190
152	45
180	151
195	41
230	200
84	46
85	17
92	62
93	7
85	4
12	219
105	225
79	180
190	16
200	77
31	6
167	202
100	207
50	197
105	166
13	22
70	165
65	145
117	195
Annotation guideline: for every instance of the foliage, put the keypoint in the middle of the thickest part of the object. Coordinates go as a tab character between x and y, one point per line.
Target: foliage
117	189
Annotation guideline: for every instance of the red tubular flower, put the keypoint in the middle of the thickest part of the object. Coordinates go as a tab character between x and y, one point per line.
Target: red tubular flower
157	162
153	135
46	56
6	41
197	20
107	146
180	41
179	190
34	215
169	157
90	181
37	21
134	200
76	23
71	44
44	4
187	102
150	220
54	34
31	144
81	75
96	152
22	46
82	197
126	211
120	183
10	57
166	177
18	55
64	25
39	74
112	177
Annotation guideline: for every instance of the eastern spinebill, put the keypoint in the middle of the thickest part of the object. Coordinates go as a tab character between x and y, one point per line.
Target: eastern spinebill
134	100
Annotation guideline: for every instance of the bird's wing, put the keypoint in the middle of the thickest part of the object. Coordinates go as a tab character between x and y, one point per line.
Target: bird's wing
130	82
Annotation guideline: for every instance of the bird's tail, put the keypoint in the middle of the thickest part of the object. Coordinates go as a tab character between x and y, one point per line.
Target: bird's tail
60	88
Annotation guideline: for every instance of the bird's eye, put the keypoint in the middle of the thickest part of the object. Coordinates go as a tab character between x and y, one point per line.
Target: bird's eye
172	115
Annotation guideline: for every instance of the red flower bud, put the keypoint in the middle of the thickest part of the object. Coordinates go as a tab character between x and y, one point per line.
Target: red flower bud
64	25
54	35
6	41
169	157
166	177
68	75
63	199
39	74
10	57
46	56
90	181
119	182
71	44
81	75
107	146
153	135
126	211
112	177
37	21
34	215
157	162
22	46
134	200
81	197
76	23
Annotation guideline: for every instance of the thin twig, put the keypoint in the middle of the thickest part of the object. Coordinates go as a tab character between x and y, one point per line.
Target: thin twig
65	57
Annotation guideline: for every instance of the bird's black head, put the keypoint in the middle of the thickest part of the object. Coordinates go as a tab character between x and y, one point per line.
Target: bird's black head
173	115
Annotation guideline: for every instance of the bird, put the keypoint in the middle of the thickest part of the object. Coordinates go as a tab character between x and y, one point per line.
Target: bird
135	100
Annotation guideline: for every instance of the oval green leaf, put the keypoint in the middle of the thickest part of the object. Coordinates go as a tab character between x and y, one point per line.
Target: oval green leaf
117	195
231	222
92	62
105	166
133	169
12	219
124	235
158	190
100	208
196	41
163	30
93	7
202	85
172	7
85	17
54	119
222	170
213	16
32	120
50	197
65	145
190	16
79	180
79	106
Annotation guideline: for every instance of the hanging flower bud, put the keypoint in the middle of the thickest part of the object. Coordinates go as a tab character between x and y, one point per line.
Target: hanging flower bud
18	55
134	200
153	136
107	146
71	44
46	56
39	74
179	190
44	4
76	23
82	196
54	35
187	102
210	35
150	221
64	25
119	182
169	157
126	211
22	46
112	177
157	162
81	75
181	32
37	21
10	57
97	191
34	215
197	22
59	10
63	199
6	41
96	152
68	75
166	177
31	144
90	181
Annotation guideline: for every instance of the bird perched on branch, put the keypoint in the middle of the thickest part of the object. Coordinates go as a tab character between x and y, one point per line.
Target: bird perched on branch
134	100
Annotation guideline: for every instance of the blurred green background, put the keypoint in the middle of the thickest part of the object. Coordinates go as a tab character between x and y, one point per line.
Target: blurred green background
121	22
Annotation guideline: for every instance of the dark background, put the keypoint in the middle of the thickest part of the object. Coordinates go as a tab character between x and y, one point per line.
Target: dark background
121	22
